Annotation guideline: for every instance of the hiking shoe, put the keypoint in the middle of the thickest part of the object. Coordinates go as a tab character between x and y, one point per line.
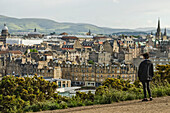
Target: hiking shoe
151	99
145	99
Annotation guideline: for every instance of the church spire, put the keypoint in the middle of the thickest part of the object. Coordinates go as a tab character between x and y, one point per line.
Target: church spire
35	30
165	32
89	32
159	28
158	33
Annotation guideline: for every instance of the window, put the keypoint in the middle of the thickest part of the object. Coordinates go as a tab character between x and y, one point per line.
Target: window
112	76
92	76
59	84
101	76
108	76
92	84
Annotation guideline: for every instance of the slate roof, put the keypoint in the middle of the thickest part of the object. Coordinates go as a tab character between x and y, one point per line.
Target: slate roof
87	43
68	46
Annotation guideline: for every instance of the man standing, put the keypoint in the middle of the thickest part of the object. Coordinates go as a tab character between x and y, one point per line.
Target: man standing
145	74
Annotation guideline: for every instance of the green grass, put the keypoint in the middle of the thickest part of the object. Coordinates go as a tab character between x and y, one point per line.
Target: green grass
108	97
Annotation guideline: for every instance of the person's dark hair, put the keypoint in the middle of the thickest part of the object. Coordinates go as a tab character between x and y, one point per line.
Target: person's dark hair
146	55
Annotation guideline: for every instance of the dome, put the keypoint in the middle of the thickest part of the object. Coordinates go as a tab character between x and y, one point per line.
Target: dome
5	27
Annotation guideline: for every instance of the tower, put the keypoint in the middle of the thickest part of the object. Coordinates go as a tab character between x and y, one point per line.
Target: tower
115	46
4	34
35	30
158	33
165	35
89	33
165	32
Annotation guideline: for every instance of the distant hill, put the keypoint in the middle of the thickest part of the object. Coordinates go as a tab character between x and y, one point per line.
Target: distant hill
131	33
48	26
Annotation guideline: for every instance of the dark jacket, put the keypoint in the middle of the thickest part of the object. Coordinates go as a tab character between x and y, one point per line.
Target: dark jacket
145	71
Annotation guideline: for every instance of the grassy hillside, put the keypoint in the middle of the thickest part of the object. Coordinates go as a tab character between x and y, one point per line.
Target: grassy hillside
48	26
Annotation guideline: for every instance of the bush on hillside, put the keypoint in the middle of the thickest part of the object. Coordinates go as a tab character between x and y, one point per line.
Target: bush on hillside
16	93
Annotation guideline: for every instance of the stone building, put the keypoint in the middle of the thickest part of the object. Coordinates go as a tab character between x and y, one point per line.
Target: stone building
73	46
35	34
107	46
50	72
94	75
100	57
73	56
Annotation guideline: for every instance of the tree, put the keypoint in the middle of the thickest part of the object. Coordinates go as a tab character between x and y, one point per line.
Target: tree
164	71
91	62
14	91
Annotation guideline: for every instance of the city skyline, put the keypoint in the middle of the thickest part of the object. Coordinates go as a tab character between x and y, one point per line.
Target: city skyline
108	13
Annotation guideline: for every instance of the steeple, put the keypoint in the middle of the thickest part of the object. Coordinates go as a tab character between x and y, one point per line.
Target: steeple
165	32
159	29
158	33
35	30
89	32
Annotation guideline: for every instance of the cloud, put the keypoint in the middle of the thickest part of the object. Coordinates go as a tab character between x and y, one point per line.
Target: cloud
115	1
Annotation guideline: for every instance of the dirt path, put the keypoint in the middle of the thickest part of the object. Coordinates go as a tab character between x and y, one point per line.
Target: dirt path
158	105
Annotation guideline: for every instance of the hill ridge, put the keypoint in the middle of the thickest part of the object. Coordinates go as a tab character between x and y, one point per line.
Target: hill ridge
47	26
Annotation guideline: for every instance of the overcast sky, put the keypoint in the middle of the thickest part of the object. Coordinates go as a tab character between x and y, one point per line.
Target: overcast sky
104	13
